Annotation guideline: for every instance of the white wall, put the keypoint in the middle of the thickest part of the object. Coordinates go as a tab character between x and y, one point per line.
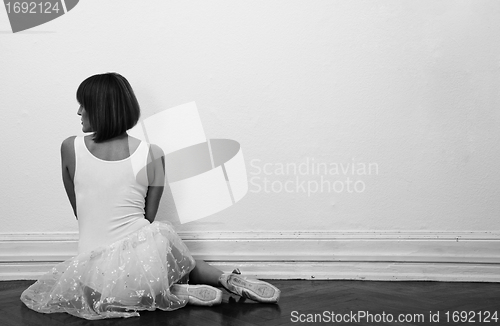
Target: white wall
411	86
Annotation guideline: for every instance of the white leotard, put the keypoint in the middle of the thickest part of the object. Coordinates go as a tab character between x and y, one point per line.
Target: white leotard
110	196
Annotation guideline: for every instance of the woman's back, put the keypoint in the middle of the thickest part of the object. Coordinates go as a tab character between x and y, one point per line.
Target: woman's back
110	190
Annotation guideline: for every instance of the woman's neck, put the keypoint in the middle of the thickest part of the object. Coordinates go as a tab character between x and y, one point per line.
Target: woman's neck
116	138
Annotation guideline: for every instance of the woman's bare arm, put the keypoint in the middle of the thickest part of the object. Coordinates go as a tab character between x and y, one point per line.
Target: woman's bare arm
68	170
156	178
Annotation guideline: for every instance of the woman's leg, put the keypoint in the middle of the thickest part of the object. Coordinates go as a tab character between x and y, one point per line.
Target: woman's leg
256	290
204	273
202	289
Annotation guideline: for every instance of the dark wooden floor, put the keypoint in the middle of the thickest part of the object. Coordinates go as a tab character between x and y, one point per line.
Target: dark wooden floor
300	300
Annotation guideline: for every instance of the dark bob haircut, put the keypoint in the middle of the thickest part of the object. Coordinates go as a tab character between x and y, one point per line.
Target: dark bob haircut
110	104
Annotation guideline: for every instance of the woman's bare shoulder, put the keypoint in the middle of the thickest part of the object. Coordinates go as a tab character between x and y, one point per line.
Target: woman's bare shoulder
156	150
68	144
68	154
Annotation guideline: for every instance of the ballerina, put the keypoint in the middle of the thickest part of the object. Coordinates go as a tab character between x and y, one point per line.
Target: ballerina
126	261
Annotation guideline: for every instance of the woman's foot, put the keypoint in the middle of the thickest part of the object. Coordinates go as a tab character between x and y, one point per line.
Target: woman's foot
199	295
250	288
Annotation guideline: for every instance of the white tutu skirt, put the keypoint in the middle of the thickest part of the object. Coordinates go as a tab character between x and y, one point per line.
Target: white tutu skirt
132	274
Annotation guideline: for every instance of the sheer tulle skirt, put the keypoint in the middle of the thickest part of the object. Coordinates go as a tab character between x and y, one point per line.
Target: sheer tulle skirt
132	274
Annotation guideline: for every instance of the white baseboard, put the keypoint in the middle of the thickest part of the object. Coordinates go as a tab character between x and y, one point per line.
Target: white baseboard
388	256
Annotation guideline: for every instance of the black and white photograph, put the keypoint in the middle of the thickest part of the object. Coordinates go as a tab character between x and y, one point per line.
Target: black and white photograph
250	162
